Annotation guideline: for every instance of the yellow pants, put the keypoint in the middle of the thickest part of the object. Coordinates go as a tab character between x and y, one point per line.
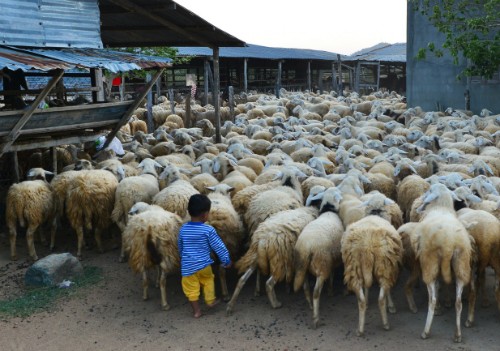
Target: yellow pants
204	278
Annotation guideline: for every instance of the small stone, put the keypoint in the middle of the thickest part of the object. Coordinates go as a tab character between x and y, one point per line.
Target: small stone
52	270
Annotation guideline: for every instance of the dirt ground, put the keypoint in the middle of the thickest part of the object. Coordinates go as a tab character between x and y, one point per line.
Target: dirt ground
112	316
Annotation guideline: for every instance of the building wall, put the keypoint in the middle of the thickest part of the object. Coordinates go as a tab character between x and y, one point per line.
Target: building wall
433	82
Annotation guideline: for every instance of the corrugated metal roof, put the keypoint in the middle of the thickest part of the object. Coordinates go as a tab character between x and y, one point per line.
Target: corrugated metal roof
164	23
50	23
262	52
384	52
48	59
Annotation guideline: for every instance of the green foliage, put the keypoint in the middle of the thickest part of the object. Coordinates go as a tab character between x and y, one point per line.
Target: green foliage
471	29
41	299
162	51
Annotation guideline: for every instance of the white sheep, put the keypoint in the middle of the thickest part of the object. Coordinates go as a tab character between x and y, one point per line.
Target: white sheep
371	250
89	202
175	197
271	251
442	246
317	249
226	221
30	203
150	239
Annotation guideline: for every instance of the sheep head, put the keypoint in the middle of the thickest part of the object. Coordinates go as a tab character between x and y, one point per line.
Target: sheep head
439	196
39	174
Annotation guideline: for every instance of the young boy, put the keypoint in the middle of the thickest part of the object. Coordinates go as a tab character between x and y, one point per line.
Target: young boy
196	241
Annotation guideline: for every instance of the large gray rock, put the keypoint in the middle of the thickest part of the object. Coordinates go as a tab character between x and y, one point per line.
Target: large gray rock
52	270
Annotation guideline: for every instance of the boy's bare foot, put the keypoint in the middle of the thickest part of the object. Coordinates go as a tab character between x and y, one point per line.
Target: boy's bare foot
213	304
197	314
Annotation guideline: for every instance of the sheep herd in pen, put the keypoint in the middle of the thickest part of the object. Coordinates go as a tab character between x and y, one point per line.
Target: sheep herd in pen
300	185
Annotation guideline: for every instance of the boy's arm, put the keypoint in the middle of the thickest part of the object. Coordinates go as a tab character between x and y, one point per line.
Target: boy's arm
218	246
179	244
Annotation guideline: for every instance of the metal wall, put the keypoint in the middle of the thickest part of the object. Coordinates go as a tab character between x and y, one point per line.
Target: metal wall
433	81
50	23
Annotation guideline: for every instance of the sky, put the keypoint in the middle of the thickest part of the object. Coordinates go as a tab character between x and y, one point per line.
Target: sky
342	27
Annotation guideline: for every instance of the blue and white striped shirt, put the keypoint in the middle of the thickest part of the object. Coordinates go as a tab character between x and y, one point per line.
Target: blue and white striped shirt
196	241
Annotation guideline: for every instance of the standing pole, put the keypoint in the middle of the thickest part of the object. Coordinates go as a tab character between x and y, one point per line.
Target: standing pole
334	78
216	94
171	99
149	106
278	79
205	81
341	84
122	88
231	101
309	75
245	75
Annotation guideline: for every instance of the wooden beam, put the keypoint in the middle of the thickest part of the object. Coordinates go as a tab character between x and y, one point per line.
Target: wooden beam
33	144
132	108
130	6
216	94
245	75
15	161
14	133
149	106
309	75
278	78
341	83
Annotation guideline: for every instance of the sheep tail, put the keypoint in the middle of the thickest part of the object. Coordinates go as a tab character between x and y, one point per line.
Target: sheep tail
446	268
249	259
301	263
154	254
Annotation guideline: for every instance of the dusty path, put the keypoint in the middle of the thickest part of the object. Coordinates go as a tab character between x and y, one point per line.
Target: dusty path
112	316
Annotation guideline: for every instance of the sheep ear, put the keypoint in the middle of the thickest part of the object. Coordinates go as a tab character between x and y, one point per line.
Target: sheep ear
196	164
49	176
358	190
141	165
311	198
470	225
156	164
490	171
413	169
388	201
473	198
216	166
363	204
421	208
31	173
364	179
212	188
278	176
397	170
121	173
185	171
431	197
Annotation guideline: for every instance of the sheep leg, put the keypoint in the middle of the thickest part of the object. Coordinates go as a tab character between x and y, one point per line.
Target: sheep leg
145	285
159	272
447	296
316	297
481	279
473	289
241	282
223	283
12	239
271	293
362	310
257	285
53	229
121	259
79	234
497	289
307	292
431	290
390	303
97	236
31	245
382	305
439	309
163	290
330	284
409	286
458	309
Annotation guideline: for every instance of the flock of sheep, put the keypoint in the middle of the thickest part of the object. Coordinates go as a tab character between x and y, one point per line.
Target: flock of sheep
301	185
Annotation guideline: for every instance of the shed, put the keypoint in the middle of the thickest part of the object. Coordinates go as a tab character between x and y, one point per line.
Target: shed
380	66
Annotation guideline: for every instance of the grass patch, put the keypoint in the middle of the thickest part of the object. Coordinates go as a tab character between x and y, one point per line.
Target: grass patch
42	299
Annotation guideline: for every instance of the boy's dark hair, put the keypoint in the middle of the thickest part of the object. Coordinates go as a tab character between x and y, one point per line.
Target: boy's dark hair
198	204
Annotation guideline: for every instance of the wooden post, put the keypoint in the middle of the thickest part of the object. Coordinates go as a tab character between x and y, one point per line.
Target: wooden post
245	75
132	108
320	81
216	94
122	88
171	99
93	84
358	77
101	96
278	79
14	133
231	101
15	161
158	90
341	84
187	122
53	152
309	75
149	106
205	81
378	76
334	78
